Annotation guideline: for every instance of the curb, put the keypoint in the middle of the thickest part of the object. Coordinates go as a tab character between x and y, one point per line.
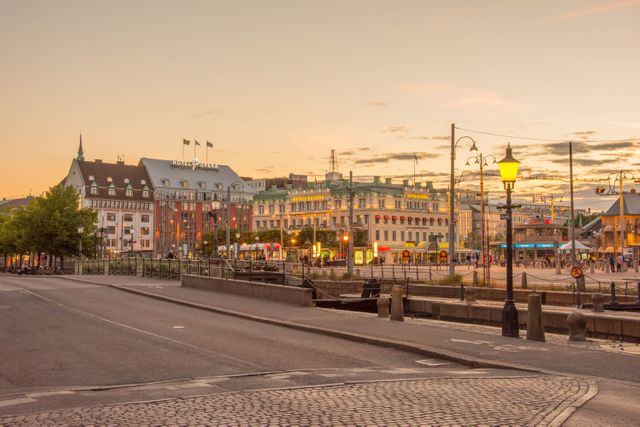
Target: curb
471	361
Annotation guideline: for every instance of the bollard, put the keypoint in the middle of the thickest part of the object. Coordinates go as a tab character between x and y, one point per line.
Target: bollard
474	282
558	269
461	292
383	304
592	267
577	326
524	281
613	293
607	268
397	308
535	330
470	294
598	302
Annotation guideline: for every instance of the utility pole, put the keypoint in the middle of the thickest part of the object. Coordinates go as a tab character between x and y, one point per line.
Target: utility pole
452	237
350	250
573	218
228	237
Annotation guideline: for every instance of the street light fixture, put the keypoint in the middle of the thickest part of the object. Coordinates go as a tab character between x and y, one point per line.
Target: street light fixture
452	230
508	173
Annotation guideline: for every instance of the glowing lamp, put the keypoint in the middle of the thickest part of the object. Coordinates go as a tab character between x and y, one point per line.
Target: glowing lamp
508	168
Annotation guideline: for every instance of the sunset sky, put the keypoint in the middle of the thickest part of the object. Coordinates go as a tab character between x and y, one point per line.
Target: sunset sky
275	85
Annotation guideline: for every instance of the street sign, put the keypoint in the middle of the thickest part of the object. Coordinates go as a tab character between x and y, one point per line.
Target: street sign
504	216
443	254
406	254
576	272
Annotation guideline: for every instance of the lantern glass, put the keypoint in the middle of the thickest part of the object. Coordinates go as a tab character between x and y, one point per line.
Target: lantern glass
508	167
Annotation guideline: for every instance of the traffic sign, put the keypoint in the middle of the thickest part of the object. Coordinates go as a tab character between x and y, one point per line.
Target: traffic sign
443	254
406	254
576	272
504	216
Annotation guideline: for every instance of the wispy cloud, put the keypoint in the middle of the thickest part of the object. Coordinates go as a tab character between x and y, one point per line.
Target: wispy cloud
457	97
386	158
396	129
350	152
376	104
627	124
599	9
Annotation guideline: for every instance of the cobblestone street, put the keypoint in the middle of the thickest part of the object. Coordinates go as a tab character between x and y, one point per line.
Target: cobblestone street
532	400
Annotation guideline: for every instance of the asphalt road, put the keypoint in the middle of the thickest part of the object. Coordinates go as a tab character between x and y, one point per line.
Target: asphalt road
59	335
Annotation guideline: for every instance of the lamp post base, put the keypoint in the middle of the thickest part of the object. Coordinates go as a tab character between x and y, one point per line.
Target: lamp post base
510	320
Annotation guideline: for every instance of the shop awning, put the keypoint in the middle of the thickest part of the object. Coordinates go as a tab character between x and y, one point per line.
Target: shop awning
608	229
609	250
393	217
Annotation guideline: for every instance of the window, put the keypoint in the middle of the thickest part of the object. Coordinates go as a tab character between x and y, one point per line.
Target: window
145	194
272	209
410	235
402	236
381	203
127	217
144	218
128	192
94	188
111	229
386	235
362	203
377	234
111	191
144	231
261	209
393	235
377	220
338	204
398	204
111	216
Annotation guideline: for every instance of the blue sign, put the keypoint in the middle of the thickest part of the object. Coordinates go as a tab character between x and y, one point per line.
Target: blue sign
529	245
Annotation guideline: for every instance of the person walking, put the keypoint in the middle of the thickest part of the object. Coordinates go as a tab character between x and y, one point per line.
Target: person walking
612	263
619	262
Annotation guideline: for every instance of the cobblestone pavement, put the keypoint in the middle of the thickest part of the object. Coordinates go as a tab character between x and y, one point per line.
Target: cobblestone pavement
532	400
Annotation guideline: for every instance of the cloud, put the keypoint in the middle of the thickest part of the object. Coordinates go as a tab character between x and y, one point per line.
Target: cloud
431	138
377	104
396	129
353	151
598	9
386	158
457	97
206	114
578	161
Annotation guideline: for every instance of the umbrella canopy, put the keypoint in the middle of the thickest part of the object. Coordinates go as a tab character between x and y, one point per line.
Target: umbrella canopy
579	247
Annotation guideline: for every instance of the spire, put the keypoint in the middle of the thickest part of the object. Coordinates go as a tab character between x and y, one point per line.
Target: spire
80	152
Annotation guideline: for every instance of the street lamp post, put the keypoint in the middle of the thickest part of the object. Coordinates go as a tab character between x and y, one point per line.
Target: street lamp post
80	231
482	161
508	173
452	230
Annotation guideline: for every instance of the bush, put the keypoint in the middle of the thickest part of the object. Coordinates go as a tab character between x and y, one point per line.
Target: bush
455	279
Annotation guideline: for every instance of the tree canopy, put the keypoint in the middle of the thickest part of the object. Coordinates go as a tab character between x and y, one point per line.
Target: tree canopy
48	224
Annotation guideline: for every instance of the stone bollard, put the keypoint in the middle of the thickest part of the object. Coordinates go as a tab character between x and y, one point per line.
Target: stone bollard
383	304
470	294
535	330
598	302
607	269
558	269
475	278
592	267
397	308
577	326
523	284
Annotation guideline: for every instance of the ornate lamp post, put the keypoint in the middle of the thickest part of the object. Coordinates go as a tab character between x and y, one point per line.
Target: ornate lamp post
508	173
452	228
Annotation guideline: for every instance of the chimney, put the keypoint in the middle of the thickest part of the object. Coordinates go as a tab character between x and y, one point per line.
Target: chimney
120	162
376	180
98	160
405	182
417	185
387	181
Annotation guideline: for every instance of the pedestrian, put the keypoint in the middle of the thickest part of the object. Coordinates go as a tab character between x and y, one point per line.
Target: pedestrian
468	261
612	263
619	262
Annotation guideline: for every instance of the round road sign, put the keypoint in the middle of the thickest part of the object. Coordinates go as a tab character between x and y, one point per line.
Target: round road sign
576	272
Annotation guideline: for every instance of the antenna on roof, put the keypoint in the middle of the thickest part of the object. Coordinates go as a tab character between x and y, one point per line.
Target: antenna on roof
333	161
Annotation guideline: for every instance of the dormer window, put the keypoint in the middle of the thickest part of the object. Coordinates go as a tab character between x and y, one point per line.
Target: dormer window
126	180
128	191
185	184
145	192
94	188
165	182
112	189
202	184
143	182
109	180
91	178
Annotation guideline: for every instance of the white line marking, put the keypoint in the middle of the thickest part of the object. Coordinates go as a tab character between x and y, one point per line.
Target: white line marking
14	402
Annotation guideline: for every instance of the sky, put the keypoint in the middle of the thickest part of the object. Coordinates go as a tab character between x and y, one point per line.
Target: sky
275	85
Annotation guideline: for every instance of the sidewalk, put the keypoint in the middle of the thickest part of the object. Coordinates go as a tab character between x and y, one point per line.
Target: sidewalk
476	347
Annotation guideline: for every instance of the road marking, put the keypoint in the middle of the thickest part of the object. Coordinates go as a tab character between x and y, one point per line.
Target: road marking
431	362
13	402
178	327
49	393
476	342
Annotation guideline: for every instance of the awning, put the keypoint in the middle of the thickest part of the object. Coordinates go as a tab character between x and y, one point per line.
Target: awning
377	216
609	250
579	246
608	229
393	217
386	217
402	217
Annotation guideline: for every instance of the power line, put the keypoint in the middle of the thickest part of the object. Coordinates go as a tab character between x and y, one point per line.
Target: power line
502	135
